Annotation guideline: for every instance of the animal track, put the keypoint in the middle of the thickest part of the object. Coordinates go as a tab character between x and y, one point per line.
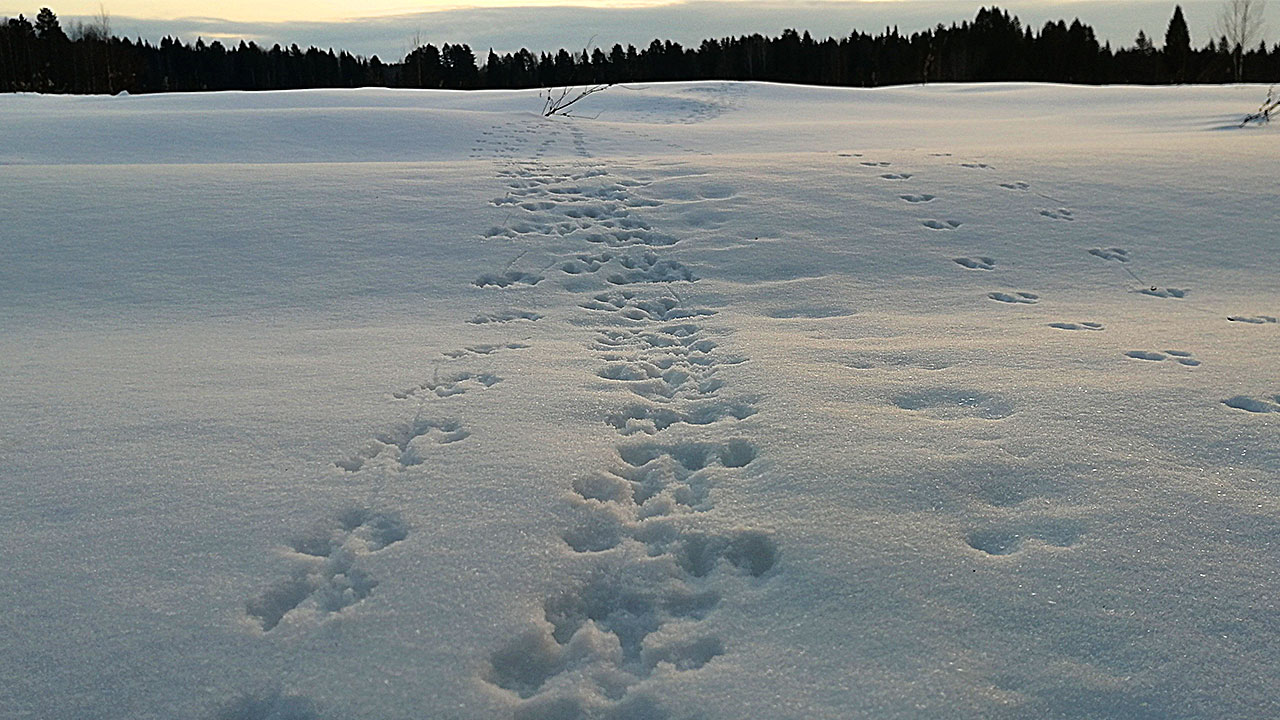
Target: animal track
897	176
613	633
399	443
977	166
630	305
640	418
923	198
1059	214
450	385
880	163
1181	356
1016	185
1159	292
1009	541
955	404
647	268
1254	405
479	350
940	224
654	575
327	579
1085	325
1023	298
976	263
507	279
505	316
1253	320
1115	253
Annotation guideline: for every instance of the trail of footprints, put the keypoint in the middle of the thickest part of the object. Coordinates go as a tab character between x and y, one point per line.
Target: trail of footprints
655	566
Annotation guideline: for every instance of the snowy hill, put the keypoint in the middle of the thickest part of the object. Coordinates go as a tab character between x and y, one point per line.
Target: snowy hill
720	401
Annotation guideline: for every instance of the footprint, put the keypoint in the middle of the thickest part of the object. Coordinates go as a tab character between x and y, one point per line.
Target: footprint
924	198
1024	298
505	316
1159	292
940	224
976	263
648	419
509	278
977	166
1253	320
877	164
1254	405
480	350
897	176
1076	326
848	154
327	579
1182	357
399	443
1059	214
1017	185
997	541
450	385
955	404
1117	254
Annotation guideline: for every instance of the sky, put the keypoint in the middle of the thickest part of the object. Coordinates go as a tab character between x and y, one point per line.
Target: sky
387	28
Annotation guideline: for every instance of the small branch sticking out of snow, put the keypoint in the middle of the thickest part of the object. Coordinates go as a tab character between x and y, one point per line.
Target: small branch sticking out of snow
557	102
1269	106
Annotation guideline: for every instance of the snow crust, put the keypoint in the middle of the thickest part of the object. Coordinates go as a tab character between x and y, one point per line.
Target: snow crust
720	401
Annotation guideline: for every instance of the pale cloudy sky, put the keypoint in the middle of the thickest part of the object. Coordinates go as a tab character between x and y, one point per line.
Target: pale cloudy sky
387	27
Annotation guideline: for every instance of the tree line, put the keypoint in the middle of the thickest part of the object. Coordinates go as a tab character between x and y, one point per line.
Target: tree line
42	56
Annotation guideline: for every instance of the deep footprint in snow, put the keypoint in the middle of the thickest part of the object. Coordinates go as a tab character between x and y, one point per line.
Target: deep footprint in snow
977	166
504	316
976	263
1059	214
399	443
922	198
1254	405
1182	357
450	385
1016	185
1175	293
998	541
1083	325
327	578
940	224
1019	298
1114	253
897	176
481	350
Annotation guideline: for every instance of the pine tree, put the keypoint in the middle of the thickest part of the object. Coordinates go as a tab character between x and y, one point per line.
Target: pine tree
1177	45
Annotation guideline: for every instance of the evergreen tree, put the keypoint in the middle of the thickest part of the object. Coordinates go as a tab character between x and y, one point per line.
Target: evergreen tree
1177	46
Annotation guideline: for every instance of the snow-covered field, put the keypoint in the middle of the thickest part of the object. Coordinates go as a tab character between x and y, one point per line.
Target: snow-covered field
723	401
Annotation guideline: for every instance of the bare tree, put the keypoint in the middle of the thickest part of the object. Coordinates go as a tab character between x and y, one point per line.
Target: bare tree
1240	22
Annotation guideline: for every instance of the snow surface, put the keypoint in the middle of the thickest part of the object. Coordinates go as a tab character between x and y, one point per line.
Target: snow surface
721	401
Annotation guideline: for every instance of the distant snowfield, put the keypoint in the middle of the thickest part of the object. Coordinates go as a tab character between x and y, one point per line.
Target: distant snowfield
721	401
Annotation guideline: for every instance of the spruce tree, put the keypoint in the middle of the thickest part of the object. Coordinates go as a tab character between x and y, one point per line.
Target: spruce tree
1177	45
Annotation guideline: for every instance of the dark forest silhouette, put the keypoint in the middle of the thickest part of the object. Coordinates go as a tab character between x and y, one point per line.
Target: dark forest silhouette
41	56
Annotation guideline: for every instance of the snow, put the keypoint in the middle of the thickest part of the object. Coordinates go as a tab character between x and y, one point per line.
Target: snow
720	401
